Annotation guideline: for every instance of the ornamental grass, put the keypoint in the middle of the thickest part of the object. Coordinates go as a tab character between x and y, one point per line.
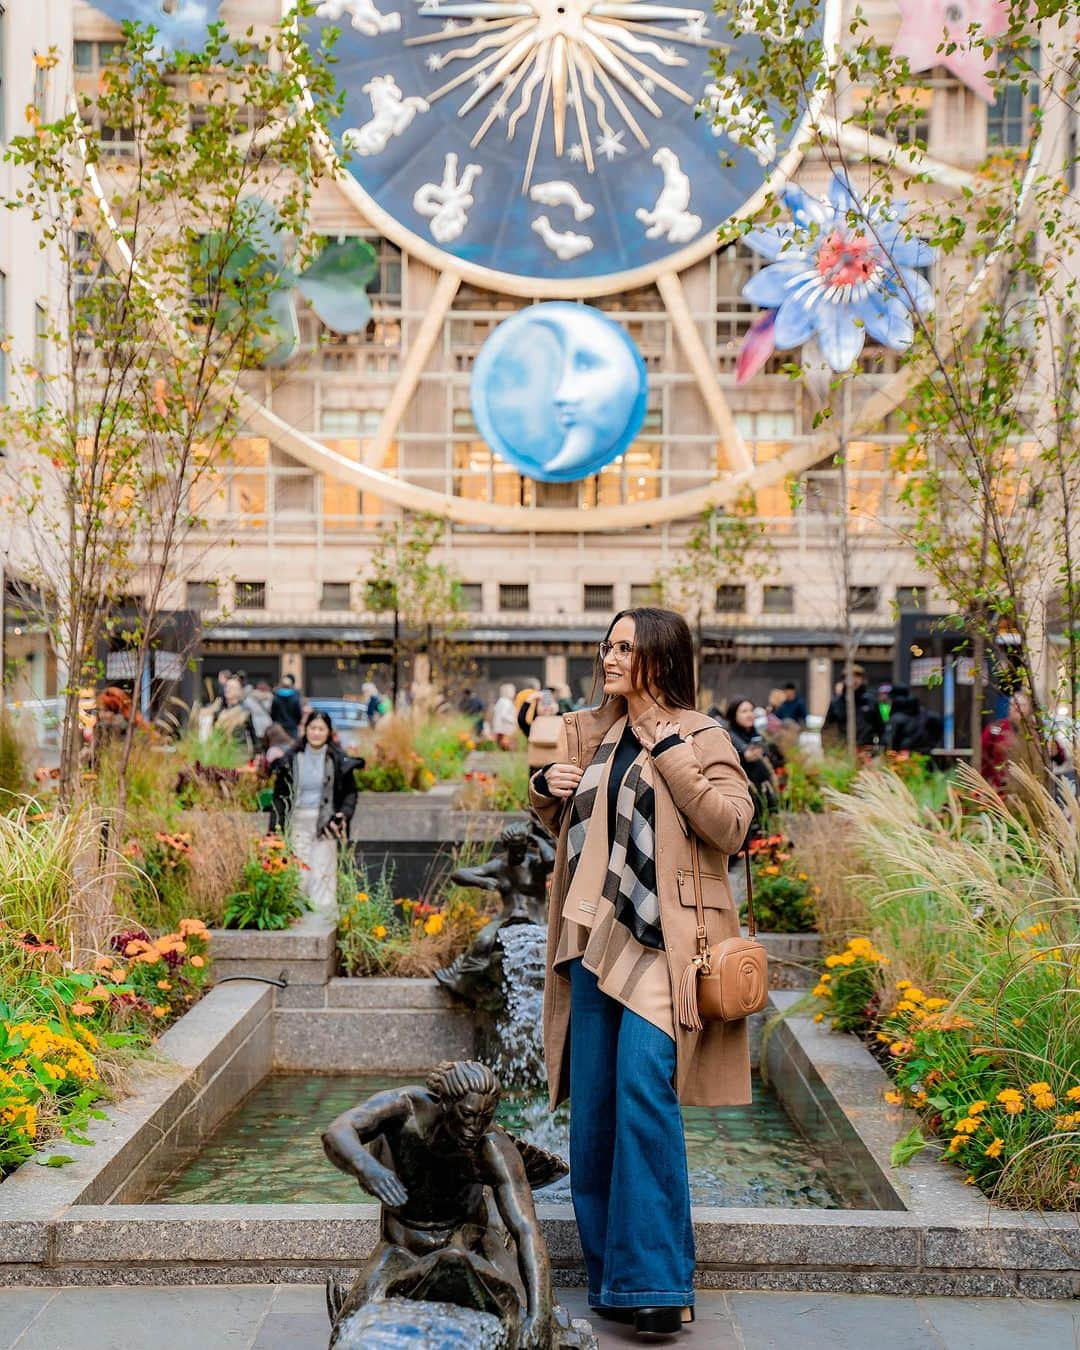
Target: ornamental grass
965	976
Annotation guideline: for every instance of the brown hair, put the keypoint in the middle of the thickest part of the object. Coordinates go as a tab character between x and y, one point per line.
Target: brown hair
663	657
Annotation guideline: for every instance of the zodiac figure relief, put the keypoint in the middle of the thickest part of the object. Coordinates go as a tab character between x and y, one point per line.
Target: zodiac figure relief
448	202
560	193
565	244
366	19
740	122
670	217
392	114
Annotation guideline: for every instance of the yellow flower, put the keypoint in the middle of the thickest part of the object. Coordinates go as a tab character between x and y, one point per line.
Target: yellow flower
362	896
1044	1101
993	1150
916	995
824	979
1011	1100
832	961
160	1010
821	991
933	1004
819	1017
903	984
861	946
957	1142
894	1098
772	870
379	930
976	1108
1037	1089
906	1005
1067	1122
434	925
803	876
1073	1094
968	1125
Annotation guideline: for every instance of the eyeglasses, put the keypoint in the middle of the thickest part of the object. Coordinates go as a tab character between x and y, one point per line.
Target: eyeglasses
621	649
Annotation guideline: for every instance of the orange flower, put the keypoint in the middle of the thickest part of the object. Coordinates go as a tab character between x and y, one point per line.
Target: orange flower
118	976
83	1009
192	927
198	962
104	963
164	984
160	1010
135	946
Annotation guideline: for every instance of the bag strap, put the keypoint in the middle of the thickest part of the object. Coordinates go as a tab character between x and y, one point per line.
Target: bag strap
751	923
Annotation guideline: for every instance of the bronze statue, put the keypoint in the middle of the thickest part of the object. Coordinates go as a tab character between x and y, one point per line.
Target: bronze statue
458	1224
518	869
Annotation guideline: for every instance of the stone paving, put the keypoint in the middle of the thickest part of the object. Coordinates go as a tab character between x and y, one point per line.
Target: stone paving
293	1317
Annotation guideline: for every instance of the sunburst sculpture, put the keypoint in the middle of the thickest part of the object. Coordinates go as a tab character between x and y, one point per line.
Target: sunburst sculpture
590	64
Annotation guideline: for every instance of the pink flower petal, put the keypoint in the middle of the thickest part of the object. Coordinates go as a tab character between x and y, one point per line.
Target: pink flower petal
758	346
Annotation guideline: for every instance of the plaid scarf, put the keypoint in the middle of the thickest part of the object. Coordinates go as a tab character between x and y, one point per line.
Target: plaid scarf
630	882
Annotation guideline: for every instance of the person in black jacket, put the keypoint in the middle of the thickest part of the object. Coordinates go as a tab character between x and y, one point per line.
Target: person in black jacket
314	800
911	726
754	758
869	726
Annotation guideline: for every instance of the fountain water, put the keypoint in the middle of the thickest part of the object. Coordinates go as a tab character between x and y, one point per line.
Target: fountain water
516	1034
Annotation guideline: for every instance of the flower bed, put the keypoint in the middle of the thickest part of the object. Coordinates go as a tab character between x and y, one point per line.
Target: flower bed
783	900
963	979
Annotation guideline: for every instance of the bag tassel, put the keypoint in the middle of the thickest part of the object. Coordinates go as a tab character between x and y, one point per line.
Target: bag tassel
689	1017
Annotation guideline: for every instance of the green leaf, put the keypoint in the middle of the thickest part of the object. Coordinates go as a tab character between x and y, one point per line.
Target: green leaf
939	1103
54	1160
335	285
906	1147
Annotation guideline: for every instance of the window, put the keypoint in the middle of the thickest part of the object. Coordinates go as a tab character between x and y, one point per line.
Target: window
471	596
40	82
250	595
599	598
862	599
778	600
910	597
41	354
730	599
349	422
379	596
336	595
513	596
1011	119
202	595
643	593
85	56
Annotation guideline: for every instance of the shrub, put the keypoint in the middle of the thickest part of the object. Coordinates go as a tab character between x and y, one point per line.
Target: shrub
976	908
505	790
14	772
782	899
851	986
410	752
268	894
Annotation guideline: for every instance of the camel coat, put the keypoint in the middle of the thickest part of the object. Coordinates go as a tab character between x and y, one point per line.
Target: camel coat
698	785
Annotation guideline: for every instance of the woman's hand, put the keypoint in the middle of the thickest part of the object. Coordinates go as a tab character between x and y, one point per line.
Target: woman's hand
652	733
753	752
562	779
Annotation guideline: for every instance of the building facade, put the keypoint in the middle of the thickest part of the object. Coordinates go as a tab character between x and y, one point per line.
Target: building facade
280	579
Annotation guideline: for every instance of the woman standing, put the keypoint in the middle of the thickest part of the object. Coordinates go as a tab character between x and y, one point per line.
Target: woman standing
314	798
753	756
628	783
504	725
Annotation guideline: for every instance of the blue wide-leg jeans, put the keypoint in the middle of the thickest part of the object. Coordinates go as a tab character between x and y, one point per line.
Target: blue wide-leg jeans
628	1171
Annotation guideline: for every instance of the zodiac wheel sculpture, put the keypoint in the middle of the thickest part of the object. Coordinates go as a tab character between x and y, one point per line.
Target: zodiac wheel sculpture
559	150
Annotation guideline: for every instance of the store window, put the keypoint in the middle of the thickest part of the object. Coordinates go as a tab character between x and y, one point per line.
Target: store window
336	595
471	596
250	595
514	596
730	599
863	599
202	595
599	599
778	600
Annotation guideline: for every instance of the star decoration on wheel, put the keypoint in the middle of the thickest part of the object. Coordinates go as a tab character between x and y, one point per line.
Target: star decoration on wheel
593	67
928	28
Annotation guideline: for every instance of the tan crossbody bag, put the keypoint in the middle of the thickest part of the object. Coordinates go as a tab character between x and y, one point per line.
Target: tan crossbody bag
729	980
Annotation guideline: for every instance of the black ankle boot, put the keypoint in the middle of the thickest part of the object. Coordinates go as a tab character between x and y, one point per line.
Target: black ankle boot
658	1321
624	1315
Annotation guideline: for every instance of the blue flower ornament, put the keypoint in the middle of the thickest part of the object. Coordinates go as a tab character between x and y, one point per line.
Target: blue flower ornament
838	271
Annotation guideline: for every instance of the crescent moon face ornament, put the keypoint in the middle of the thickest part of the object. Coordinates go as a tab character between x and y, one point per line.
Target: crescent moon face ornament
558	391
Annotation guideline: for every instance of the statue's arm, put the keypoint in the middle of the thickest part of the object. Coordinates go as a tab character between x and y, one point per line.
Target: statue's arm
514	1200
345	1139
485	876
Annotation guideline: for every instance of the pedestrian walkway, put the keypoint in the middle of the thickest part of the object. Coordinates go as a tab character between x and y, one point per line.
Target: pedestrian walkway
293	1317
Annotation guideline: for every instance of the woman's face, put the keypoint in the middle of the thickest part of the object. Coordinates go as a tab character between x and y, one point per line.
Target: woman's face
318	733
617	681
744	715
